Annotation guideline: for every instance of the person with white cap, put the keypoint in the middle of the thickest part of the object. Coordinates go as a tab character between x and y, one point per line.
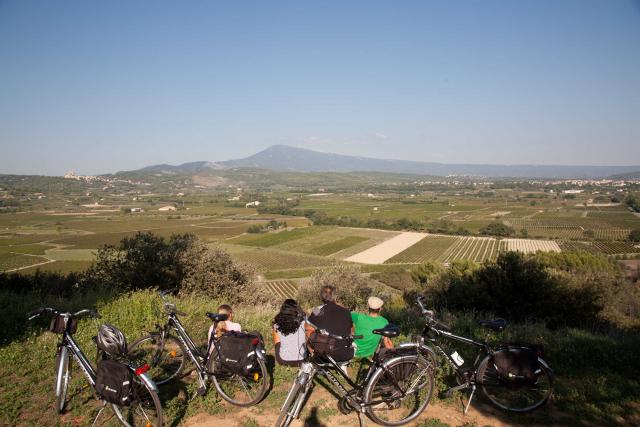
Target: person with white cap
364	325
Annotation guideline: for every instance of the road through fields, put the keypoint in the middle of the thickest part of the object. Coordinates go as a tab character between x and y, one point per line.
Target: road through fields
387	249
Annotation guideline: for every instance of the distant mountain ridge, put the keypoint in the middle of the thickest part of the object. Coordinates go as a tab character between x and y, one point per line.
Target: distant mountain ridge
295	159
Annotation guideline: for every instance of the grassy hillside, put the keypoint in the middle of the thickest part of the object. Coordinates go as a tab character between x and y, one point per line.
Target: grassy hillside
597	374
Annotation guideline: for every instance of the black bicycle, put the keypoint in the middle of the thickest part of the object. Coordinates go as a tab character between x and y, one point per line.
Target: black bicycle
144	410
394	389
513	377
167	355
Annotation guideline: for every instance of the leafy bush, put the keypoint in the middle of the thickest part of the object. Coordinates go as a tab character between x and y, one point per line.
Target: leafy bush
142	261
497	228
634	235
353	289
213	273
521	287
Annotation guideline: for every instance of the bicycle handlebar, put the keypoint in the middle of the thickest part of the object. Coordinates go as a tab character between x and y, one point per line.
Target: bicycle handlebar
35	313
429	315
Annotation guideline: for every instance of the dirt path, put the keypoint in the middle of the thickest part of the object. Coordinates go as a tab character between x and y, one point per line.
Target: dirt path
48	261
321	410
387	249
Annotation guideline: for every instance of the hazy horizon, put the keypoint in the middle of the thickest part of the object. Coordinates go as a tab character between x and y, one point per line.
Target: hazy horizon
98	88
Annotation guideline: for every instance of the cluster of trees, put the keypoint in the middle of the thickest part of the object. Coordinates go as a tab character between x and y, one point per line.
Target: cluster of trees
497	228
563	289
145	261
263	228
633	201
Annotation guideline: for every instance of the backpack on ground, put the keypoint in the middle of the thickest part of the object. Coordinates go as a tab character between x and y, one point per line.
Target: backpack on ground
517	365
114	382
236	352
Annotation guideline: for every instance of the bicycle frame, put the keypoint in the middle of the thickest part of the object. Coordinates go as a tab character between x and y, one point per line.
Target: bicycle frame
483	347
68	343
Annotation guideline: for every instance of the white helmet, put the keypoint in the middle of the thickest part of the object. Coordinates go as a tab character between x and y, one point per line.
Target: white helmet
111	340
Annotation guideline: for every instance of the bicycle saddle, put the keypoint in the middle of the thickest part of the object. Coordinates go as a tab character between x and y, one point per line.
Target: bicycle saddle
217	317
495	324
388	331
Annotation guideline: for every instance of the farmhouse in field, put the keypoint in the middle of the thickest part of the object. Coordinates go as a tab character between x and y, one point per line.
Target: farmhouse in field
252	204
137	210
167	208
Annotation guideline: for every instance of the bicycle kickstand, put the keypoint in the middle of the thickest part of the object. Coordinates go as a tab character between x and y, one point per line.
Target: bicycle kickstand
104	404
466	408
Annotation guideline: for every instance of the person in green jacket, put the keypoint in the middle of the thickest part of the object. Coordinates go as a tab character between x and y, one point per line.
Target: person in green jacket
364	325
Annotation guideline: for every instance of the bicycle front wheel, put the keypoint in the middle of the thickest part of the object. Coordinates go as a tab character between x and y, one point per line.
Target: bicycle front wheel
243	390
398	393
166	358
63	375
515	397
145	410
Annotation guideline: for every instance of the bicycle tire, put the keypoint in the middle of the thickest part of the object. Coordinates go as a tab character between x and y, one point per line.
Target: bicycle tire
152	406
263	375
386	381
63	375
489	383
285	418
166	363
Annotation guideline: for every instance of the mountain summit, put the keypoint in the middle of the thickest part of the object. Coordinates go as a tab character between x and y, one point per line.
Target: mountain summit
288	158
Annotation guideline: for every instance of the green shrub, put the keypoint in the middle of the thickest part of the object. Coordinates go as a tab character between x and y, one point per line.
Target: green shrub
353	289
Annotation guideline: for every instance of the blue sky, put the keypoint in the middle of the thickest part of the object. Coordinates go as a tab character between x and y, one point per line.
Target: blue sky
97	87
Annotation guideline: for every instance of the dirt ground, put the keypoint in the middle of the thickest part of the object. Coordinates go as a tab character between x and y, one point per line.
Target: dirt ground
321	411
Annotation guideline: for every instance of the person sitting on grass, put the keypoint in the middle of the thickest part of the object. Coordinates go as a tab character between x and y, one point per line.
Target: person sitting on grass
333	318
289	334
227	325
365	324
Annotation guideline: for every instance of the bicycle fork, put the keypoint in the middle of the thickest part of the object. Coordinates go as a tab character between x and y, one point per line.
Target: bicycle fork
305	380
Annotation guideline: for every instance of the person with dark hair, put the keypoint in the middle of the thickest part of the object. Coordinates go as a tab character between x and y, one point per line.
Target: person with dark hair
333	318
289	334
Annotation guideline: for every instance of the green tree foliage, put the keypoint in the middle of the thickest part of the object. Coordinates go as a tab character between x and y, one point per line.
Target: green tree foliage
523	288
497	228
353	289
634	235
212	272
142	261
633	201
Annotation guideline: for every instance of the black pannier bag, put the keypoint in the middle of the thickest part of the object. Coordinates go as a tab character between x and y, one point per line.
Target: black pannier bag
57	325
114	382
327	345
517	366
237	353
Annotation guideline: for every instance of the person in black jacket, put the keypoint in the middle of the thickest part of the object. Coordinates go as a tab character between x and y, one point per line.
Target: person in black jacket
333	318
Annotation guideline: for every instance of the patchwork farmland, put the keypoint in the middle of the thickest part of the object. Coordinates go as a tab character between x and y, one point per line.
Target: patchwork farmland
282	288
530	246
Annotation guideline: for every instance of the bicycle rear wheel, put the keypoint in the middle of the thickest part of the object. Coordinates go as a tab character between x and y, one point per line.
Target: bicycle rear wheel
63	375
400	392
166	359
145	410
515	397
243	390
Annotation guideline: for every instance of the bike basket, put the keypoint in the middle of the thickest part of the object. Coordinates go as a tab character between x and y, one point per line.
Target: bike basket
58	323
